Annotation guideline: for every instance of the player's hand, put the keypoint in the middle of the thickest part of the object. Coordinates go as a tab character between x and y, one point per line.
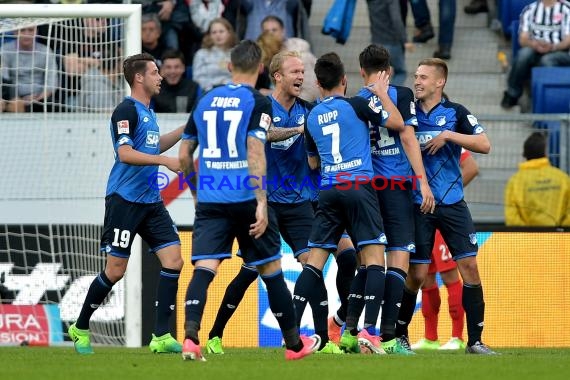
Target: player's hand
166	8
435	144
261	221
428	200
381	84
172	163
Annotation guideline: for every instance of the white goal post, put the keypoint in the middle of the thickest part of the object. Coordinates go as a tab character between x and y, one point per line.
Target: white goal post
55	167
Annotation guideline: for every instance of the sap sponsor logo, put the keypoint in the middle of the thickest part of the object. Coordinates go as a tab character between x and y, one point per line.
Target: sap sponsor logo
123	127
48	281
473	238
265	121
285	144
425	137
440	121
152	139
472	120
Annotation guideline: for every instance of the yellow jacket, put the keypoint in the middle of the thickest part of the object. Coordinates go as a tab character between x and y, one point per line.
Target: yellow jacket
538	195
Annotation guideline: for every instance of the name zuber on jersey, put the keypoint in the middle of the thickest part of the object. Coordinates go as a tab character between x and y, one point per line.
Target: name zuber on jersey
30	289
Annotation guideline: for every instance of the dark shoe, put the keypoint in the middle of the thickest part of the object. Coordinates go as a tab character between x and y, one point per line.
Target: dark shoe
508	101
424	34
476	6
444	52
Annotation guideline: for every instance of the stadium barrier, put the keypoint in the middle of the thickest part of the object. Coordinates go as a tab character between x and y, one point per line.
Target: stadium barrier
523	275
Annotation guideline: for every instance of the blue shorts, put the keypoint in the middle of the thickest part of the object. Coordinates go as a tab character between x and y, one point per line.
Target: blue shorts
295	221
397	209
456	227
218	224
124	219
355	210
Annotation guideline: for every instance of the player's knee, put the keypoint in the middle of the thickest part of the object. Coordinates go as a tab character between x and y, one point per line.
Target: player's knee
469	270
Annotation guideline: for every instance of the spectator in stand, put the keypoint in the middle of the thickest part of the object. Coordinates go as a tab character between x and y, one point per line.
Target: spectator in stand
443	263
177	93
538	194
151	31
28	73
544	36
102	85
274	25
476	6
80	53
424	29
270	45
203	12
388	30
256	10
210	65
174	17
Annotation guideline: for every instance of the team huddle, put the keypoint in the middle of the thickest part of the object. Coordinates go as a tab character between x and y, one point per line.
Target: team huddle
381	234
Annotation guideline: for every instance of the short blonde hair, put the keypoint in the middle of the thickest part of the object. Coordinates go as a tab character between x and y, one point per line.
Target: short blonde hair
278	60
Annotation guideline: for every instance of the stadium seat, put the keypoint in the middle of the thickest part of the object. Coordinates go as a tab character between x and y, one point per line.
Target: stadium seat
550	89
511	10
551	94
189	72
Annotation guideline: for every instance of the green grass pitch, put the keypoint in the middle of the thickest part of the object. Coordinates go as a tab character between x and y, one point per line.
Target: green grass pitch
23	363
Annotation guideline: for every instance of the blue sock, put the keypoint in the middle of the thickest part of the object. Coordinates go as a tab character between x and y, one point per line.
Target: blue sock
165	299
196	296
373	293
346	263
306	287
395	279
282	307
406	312
99	289
356	299
474	306
232	298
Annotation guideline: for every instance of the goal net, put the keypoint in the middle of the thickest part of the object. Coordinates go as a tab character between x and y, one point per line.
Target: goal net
60	78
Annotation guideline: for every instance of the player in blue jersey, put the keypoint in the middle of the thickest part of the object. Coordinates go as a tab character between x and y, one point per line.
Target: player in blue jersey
230	124
443	129
290	192
338	137
392	154
134	206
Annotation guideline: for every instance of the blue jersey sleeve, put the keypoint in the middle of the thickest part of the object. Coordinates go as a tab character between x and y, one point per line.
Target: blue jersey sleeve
368	110
124	121
310	145
260	117
467	123
190	131
406	106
